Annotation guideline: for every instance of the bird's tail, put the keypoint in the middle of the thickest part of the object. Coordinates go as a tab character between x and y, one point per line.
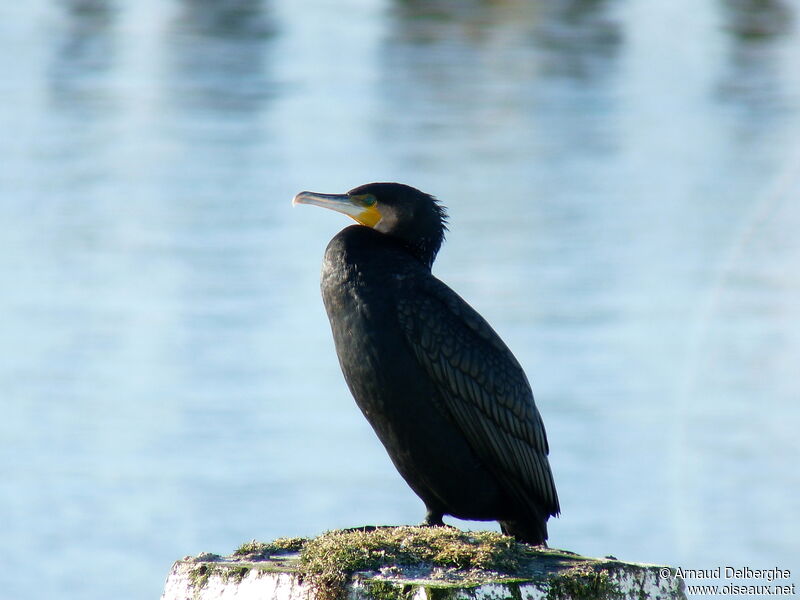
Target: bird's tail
528	531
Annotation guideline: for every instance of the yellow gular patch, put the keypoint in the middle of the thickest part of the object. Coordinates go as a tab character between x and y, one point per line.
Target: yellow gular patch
370	216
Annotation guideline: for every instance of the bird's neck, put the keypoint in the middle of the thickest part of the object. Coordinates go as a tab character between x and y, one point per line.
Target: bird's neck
422	250
359	245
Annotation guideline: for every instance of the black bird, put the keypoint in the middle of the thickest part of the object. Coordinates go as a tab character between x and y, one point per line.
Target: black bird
442	391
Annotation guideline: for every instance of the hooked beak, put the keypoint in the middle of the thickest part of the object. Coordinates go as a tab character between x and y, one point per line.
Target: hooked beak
361	208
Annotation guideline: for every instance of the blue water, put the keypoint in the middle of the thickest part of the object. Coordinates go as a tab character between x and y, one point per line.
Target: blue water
623	182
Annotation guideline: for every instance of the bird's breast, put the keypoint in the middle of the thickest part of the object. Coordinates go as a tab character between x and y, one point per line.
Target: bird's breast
373	354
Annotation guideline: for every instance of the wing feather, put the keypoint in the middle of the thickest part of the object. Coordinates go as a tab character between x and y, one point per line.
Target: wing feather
483	387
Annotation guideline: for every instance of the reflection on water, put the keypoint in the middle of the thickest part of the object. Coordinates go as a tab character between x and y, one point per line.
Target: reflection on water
220	56
757	20
84	53
622	212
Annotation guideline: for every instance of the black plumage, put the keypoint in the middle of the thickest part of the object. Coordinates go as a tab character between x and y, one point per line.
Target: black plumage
444	394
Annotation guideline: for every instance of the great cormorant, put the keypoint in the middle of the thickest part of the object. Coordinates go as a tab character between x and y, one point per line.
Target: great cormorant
442	391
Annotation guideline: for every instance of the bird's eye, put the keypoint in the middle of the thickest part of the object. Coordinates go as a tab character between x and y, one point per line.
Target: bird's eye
365	199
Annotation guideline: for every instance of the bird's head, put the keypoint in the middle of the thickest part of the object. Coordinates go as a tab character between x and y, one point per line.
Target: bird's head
397	210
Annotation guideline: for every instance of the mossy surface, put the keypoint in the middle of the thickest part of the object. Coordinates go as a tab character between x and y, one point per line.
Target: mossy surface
385	590
330	560
586	585
394	563
200	575
358	550
256	549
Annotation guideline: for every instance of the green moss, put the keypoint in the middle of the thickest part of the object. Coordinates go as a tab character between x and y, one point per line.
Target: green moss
590	585
330	560
384	590
199	576
263	550
394	563
441	593
357	550
236	574
252	548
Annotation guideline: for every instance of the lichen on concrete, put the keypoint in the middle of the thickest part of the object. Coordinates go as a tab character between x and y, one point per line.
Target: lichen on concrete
384	590
577	585
199	576
229	574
